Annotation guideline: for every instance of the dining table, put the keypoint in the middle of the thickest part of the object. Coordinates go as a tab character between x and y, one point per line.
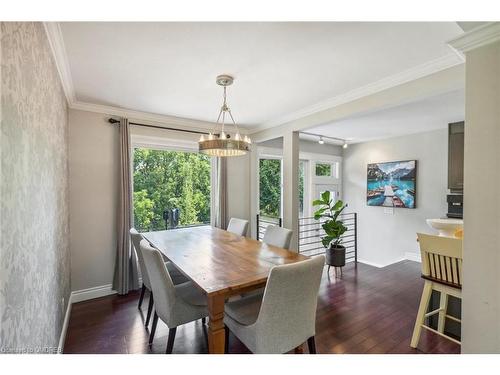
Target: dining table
221	264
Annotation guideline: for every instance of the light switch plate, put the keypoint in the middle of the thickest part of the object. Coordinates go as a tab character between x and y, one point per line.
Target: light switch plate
389	210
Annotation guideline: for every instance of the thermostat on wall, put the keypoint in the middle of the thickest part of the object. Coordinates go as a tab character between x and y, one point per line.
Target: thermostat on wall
389	210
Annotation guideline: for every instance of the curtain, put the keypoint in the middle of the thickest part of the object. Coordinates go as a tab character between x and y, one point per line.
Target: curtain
221	193
126	276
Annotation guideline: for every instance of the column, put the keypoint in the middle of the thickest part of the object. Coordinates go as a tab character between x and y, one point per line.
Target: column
481	251
291	185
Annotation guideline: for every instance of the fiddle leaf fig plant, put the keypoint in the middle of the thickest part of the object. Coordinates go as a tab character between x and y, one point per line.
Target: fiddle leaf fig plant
333	227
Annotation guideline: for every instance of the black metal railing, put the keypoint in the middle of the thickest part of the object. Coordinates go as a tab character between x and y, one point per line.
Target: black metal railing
310	234
263	221
170	220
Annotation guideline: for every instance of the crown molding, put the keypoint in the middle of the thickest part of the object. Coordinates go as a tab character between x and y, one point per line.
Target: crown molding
56	42
146	116
414	73
477	37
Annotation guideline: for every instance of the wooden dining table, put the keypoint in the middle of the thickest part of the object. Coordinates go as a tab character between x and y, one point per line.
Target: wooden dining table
221	264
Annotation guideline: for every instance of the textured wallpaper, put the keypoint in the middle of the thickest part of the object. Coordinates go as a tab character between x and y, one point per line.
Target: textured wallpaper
34	248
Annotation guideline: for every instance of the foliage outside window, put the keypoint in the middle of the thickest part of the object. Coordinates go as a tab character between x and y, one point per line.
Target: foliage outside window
323	169
270	187
165	180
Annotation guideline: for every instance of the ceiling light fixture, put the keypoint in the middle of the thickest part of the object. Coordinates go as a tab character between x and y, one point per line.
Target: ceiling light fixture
224	145
338	141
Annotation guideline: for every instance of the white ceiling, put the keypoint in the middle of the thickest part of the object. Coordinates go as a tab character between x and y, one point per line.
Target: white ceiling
429	114
170	68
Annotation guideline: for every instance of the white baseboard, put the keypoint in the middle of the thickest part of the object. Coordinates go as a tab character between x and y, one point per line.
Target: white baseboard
64	329
91	293
80	296
379	265
413	256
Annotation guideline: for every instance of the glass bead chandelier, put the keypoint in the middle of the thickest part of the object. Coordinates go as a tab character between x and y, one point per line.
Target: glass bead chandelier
223	144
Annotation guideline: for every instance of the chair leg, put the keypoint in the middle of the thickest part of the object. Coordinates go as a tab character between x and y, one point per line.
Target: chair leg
443	306
311	343
143	290
153	328
150	308
203	321
171	338
422	309
226	340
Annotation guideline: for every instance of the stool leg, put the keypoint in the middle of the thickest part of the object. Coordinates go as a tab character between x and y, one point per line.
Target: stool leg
443	306
422	309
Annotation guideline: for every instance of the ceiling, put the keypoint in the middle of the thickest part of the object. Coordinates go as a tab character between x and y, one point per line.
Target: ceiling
425	115
170	68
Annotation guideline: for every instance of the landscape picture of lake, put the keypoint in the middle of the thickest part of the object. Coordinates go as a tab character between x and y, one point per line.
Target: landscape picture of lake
392	184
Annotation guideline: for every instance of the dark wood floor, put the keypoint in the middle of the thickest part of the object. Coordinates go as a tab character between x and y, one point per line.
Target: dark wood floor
369	310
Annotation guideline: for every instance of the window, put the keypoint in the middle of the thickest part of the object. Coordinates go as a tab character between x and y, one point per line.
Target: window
323	169
168	180
302	166
270	187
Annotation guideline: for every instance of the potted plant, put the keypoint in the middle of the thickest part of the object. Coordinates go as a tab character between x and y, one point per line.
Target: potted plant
333	227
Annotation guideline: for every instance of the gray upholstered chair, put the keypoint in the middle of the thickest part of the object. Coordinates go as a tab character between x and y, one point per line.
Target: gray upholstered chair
175	274
277	236
238	226
285	316
174	304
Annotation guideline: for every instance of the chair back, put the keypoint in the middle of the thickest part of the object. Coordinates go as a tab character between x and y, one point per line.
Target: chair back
161	283
287	316
238	226
277	236
441	259
136	240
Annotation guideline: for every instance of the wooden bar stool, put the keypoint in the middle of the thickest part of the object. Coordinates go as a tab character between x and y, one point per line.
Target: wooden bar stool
442	271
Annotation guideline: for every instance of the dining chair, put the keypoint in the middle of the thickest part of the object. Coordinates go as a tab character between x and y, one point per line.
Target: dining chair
277	236
285	316
175	274
442	272
174	304
238	226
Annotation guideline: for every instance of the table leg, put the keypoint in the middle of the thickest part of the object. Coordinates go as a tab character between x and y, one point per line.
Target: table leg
216	335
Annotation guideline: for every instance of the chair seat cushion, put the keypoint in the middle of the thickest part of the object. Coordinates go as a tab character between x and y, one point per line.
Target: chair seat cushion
176	275
244	310
191	294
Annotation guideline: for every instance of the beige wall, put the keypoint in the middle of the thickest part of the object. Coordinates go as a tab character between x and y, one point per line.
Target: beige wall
94	169
93	186
34	245
481	285
387	238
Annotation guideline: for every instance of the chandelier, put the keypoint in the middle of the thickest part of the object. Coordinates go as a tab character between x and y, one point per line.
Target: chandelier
223	144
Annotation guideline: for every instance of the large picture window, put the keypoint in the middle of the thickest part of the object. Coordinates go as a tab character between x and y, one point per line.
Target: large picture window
171	189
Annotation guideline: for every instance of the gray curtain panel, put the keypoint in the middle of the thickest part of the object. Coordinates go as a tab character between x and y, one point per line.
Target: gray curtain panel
221	193
126	276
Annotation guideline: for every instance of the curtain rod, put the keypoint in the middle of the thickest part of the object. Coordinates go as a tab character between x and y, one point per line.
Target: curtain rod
115	121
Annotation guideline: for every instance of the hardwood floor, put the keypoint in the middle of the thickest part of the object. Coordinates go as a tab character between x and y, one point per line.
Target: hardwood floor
369	310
